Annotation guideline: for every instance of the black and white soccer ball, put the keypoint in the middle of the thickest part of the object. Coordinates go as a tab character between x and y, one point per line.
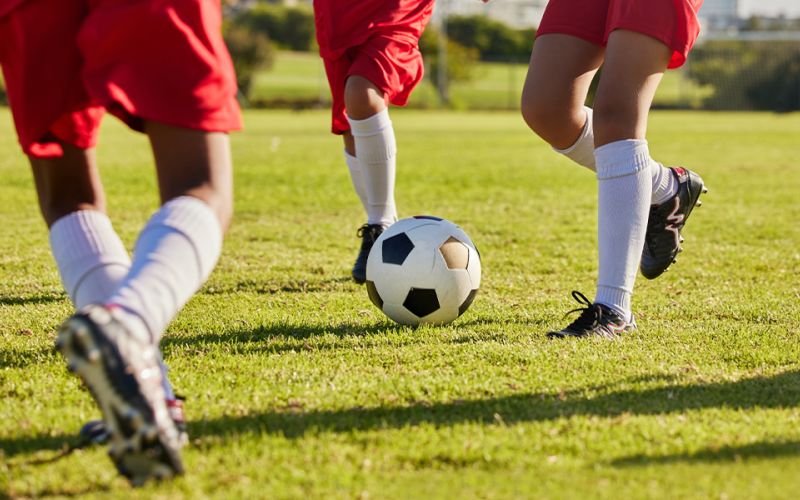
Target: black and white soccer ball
423	270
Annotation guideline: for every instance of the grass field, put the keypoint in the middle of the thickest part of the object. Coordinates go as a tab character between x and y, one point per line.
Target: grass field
300	76
298	387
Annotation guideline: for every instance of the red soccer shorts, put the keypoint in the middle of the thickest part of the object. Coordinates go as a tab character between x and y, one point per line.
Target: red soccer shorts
374	39
65	63
673	22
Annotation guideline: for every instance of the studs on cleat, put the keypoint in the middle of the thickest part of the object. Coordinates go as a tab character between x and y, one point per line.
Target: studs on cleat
150	433
134	418
705	189
699	203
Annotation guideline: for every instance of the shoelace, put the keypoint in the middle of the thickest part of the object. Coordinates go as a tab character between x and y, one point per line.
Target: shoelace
369	229
590	315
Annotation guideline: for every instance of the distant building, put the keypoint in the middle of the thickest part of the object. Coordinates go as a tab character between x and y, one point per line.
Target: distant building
719	15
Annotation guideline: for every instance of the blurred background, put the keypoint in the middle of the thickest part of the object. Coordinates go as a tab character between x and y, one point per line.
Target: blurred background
748	56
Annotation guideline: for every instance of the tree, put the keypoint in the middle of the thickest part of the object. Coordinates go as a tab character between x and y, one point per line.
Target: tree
460	60
251	51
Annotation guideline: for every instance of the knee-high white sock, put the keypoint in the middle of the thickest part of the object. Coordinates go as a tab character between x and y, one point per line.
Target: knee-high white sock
665	185
92	261
90	256
176	251
625	188
582	151
357	178
376	151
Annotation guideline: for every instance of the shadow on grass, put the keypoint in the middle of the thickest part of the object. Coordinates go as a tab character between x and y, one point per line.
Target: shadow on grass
21	358
272	287
47	298
763	449
266	338
778	391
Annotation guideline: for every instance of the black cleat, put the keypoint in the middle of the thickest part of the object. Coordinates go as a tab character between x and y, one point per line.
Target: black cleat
123	375
95	432
594	320
368	234
662	242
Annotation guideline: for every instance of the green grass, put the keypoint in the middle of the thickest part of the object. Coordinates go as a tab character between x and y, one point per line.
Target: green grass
299	387
300	76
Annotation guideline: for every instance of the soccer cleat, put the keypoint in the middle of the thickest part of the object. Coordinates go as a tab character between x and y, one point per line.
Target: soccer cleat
594	320
662	242
124	377
96	432
368	234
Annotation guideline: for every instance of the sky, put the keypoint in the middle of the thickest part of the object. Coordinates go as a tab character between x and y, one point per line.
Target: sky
769	7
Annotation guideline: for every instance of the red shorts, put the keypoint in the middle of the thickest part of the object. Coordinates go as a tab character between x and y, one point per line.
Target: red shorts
65	63
373	39
673	22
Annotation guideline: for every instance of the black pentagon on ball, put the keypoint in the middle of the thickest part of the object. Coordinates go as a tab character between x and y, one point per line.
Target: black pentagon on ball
396	248
421	301
373	294
429	217
467	302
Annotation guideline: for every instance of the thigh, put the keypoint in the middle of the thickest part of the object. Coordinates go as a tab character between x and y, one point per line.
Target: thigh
634	66
193	163
561	70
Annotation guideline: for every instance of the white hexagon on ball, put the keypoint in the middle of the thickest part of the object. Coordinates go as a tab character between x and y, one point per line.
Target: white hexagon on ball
423	270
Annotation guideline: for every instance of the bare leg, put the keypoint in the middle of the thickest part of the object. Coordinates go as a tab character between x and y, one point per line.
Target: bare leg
362	98
561	69
194	163
634	66
67	184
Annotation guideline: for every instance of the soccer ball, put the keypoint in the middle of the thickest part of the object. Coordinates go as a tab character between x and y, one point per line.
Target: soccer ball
423	270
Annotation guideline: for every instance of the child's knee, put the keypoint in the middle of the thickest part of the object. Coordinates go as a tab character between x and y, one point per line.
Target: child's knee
554	122
362	98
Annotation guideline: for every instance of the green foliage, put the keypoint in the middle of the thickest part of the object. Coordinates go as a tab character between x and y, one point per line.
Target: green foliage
460	60
251	52
780	89
748	75
494	40
297	387
289	27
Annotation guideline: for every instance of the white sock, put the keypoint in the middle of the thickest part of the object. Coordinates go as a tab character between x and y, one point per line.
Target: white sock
92	261
665	185
357	178
625	189
176	251
582	151
376	151
90	256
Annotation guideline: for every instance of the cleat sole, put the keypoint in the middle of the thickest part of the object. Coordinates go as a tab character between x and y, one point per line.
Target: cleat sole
135	447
